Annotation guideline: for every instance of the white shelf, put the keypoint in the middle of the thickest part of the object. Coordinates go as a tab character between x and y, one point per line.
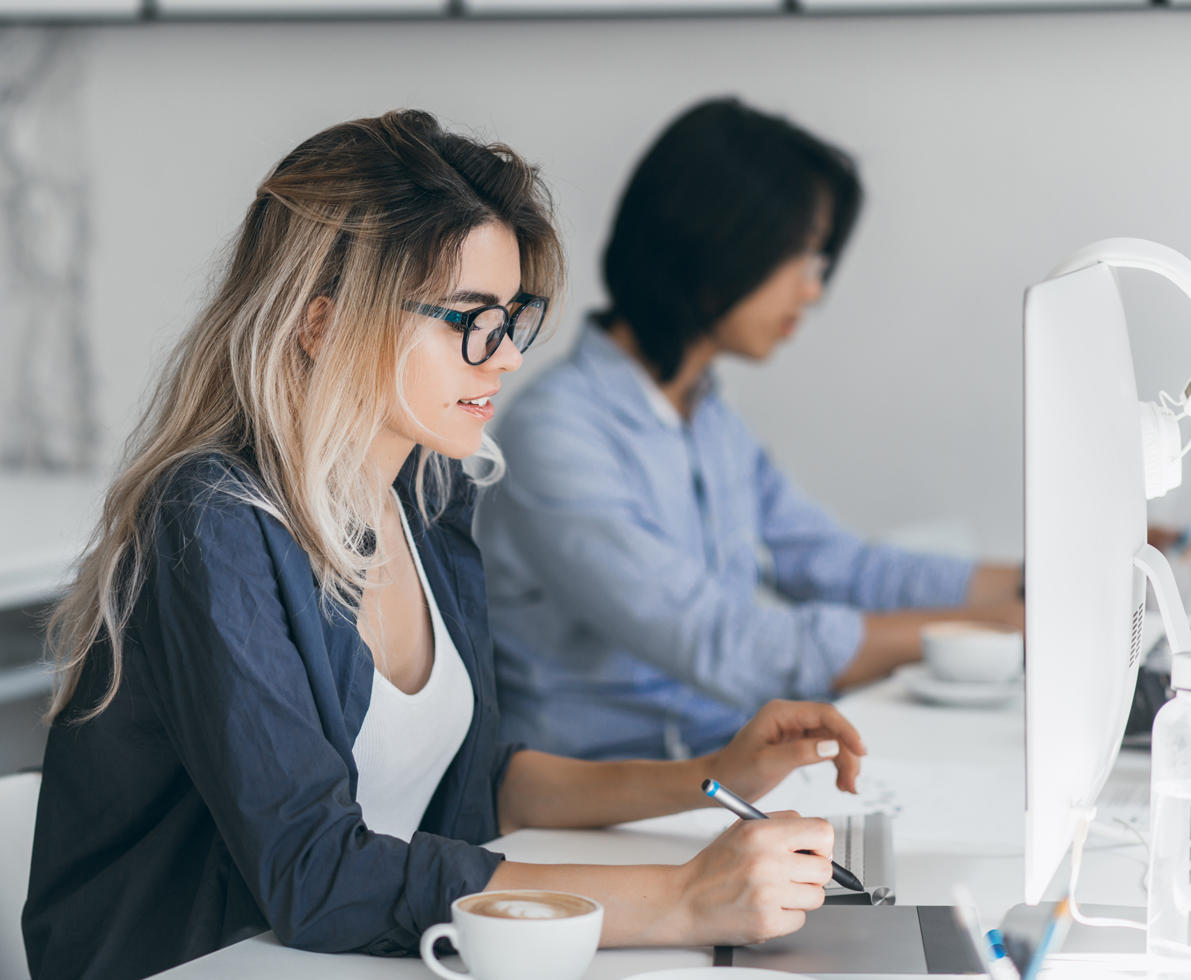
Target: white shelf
300	8
70	9
953	6
620	6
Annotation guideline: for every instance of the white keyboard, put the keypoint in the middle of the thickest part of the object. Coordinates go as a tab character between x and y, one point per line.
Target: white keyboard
864	845
849	843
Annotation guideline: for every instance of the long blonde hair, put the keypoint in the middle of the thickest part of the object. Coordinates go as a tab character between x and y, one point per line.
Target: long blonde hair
368	213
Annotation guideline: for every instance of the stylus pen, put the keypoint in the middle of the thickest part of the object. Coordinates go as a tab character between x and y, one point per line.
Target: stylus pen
990	946
746	811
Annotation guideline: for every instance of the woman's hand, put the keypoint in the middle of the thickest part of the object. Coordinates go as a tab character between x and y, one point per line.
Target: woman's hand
782	736
752	883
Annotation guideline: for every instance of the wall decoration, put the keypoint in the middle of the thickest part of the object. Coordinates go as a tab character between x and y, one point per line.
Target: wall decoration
47	391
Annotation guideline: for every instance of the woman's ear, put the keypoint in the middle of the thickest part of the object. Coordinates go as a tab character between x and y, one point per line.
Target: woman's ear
310	332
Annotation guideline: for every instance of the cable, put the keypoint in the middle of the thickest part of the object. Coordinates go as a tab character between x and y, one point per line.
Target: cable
1084	818
1083	822
1141	838
1179	408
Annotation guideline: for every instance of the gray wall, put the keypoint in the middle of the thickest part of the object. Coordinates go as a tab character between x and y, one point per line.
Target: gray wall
991	147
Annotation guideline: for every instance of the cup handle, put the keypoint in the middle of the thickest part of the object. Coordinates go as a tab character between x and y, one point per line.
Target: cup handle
444	930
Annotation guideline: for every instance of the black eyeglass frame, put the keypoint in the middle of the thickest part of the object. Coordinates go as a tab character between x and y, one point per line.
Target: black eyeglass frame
467	320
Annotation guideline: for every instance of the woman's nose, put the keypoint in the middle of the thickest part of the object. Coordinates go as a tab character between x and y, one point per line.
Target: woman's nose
506	357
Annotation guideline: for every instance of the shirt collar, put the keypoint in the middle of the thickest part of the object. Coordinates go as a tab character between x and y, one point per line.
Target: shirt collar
626	384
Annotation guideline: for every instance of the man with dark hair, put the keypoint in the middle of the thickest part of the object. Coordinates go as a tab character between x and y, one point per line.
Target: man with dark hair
639	517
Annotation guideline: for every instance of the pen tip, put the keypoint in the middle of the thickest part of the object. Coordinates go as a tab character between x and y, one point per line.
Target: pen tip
710	786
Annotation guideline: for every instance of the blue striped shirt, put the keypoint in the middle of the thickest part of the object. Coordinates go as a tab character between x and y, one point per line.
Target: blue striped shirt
628	551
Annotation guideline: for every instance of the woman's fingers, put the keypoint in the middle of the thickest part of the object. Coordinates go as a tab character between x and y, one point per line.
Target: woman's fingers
808	837
790	866
817	747
832	723
807	751
803	845
803	897
847	766
812	732
758	879
798	719
771	924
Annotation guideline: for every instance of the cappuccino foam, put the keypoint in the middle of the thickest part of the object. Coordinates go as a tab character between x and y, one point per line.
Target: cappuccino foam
528	905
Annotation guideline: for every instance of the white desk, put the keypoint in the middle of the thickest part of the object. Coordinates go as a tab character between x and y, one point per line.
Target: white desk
44	524
931	859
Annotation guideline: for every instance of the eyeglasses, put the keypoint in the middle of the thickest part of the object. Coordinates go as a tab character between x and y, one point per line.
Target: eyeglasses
486	326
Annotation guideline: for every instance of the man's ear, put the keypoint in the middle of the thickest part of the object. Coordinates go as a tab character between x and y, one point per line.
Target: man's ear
314	322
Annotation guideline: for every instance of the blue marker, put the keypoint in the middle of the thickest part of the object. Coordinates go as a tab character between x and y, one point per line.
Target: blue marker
746	811
1000	967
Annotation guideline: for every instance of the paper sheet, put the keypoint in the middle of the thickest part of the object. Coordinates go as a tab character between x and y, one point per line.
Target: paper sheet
969	808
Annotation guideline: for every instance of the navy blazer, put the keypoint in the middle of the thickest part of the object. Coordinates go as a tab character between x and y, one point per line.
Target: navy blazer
216	797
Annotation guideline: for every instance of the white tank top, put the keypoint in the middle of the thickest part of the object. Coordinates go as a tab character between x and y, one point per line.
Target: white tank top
407	741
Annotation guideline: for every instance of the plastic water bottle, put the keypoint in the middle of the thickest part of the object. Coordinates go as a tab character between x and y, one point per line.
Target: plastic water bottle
1168	918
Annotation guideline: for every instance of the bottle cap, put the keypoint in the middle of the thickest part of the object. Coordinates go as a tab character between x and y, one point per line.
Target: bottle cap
1180	672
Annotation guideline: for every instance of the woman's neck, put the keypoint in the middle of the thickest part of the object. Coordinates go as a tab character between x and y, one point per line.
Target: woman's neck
386	456
680	390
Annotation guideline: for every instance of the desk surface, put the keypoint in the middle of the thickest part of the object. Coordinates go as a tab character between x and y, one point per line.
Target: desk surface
964	760
44	524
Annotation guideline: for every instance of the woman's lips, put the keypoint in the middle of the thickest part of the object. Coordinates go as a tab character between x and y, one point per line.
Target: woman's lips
480	408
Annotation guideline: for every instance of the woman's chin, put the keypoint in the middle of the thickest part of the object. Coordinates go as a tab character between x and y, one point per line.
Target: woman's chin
459	448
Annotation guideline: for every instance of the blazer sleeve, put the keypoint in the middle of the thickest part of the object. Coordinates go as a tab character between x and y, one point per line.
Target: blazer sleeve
234	695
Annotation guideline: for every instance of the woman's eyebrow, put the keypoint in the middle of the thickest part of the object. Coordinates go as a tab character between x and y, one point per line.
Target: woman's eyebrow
472	296
476	297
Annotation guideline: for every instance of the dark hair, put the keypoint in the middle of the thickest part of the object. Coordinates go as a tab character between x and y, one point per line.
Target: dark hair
724	196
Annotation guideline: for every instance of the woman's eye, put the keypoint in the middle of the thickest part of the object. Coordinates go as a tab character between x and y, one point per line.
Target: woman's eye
456	323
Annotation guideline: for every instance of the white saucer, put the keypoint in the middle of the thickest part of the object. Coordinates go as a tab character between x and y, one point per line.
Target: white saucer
926	686
716	973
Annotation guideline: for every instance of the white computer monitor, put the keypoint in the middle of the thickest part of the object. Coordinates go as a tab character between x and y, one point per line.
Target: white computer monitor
1093	453
1085	519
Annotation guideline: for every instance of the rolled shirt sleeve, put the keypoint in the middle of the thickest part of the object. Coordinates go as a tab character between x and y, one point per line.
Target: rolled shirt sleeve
568	511
813	557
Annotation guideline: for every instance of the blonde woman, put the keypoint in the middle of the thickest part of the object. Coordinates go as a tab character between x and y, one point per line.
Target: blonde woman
276	706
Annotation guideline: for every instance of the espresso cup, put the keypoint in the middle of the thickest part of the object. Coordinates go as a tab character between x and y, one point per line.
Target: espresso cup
972	653
525	934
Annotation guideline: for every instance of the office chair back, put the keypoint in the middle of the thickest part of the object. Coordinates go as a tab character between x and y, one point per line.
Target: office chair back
18	808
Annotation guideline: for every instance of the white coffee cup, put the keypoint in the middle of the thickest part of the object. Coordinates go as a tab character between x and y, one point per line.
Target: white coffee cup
523	934
972	653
